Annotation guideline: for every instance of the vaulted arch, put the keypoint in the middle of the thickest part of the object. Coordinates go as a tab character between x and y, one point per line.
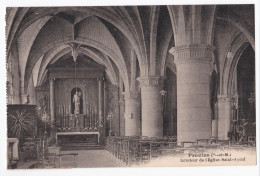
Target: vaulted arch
102	12
90	37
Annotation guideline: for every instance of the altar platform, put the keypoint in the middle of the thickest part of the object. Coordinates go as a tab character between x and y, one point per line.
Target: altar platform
78	136
78	130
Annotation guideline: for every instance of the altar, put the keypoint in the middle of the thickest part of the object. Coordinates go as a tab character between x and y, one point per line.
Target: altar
59	135
77	123
78	128
76	100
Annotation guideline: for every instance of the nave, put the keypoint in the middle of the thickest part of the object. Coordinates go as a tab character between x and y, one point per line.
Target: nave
141	82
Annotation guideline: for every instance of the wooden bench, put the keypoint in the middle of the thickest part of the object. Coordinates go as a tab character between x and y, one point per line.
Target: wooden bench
67	154
187	142
203	141
251	140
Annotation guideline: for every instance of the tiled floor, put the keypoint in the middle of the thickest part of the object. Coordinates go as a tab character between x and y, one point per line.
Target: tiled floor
90	159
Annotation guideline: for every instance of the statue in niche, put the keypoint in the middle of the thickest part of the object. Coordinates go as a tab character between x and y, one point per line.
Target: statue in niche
111	105
43	104
76	101
213	92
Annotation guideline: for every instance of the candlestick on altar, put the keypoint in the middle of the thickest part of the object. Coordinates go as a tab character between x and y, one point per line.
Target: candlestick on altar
64	115
110	118
95	117
59	115
90	117
86	117
67	117
69	124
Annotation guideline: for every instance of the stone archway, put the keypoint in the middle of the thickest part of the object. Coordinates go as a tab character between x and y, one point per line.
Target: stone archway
245	78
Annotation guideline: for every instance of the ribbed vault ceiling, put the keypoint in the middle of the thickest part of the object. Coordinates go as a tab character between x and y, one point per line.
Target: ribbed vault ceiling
108	34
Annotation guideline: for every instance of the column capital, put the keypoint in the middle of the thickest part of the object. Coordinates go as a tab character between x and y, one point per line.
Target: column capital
192	53
51	80
131	95
224	97
163	92
149	80
100	79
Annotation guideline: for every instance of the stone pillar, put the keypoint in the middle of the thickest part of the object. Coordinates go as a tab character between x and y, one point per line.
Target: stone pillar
152	120
132	114
104	101
224	116
52	104
15	76
193	65
121	105
121	116
214	133
133	70
100	102
16	98
24	99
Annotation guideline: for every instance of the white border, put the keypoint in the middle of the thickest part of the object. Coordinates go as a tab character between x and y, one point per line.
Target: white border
178	171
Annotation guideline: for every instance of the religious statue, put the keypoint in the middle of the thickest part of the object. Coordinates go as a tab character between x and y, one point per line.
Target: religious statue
43	105
76	101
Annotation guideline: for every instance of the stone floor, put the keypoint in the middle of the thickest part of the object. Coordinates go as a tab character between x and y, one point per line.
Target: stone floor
90	159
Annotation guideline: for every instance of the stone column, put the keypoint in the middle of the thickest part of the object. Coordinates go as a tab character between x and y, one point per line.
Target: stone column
15	76
104	101
24	99
224	116
121	103
152	120
193	65
52	104
132	114
214	133
100	102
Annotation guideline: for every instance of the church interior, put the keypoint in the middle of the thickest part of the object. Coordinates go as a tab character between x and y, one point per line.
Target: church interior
134	82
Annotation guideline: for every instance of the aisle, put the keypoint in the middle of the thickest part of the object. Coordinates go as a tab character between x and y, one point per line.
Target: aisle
91	159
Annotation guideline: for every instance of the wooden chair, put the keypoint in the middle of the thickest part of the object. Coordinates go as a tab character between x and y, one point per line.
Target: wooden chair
49	160
134	151
144	150
251	140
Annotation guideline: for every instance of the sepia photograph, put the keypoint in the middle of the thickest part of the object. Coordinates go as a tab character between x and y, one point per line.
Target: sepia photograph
130	86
